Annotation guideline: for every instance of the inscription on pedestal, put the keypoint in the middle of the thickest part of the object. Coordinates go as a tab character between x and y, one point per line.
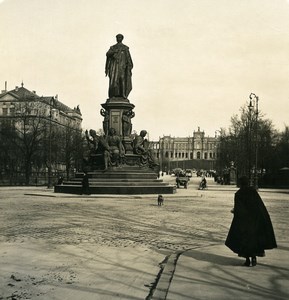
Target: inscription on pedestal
115	121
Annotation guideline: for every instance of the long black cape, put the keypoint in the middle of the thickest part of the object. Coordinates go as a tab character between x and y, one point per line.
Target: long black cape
251	231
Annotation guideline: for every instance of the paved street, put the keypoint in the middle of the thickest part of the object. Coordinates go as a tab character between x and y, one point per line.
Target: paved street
57	246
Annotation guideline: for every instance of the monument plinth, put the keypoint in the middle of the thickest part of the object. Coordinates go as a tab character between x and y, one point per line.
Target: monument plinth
119	162
117	113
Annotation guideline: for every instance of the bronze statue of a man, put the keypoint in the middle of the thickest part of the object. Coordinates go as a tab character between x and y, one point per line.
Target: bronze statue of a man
118	68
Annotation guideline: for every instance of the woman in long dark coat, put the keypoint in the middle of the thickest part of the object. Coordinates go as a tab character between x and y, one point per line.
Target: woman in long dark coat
251	230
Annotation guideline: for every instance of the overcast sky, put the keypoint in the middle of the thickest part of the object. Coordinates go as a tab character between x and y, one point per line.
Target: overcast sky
195	61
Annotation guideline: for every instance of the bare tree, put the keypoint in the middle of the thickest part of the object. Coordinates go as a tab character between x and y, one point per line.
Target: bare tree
245	136
72	148
10	156
30	127
281	153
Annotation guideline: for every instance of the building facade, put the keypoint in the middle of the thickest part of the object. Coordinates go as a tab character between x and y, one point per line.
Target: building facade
198	151
51	107
41	127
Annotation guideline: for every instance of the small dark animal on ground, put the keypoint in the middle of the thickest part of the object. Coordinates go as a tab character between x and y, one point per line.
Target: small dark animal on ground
160	200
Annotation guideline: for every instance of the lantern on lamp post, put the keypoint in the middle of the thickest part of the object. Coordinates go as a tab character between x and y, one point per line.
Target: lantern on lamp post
253	108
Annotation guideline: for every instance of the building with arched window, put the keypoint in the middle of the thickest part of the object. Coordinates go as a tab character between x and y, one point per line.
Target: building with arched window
198	151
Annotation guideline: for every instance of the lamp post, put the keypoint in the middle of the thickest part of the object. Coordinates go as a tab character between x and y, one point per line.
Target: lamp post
253	106
49	150
49	146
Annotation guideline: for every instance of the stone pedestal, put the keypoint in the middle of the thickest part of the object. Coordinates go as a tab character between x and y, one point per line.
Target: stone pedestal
117	113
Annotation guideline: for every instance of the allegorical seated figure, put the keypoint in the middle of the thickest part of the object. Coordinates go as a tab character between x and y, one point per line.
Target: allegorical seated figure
109	147
97	147
96	143
115	152
141	147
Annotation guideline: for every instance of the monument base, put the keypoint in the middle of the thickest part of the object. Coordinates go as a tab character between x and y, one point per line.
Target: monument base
122	181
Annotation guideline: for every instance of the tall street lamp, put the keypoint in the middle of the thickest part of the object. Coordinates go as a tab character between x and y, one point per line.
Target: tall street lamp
51	103
253	106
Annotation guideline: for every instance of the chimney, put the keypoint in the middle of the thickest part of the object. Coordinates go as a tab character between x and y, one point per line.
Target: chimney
5	90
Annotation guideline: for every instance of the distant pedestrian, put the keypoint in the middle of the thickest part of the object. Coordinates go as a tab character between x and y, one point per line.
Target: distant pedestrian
60	180
203	183
85	184
251	231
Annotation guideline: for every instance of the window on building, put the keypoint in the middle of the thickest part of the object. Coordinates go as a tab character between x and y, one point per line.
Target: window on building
183	155
176	155
198	155
186	154
167	154
4	111
206	155
211	155
191	155
12	111
172	154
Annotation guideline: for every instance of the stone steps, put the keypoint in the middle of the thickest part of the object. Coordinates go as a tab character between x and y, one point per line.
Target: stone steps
113	189
117	183
127	180
120	175
114	180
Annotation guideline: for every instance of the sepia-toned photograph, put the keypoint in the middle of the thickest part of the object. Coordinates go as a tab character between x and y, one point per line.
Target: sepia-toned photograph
144	149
